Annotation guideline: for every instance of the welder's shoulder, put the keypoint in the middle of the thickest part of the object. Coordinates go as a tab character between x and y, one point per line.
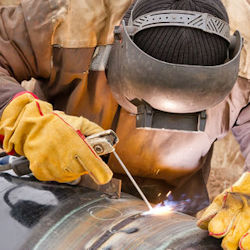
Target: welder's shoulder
90	23
43	16
70	23
26	32
36	14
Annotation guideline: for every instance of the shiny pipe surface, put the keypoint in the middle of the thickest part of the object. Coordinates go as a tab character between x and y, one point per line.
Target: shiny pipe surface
37	215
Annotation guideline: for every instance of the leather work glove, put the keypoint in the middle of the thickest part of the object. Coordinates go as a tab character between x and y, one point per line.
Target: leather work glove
80	123
229	216
55	149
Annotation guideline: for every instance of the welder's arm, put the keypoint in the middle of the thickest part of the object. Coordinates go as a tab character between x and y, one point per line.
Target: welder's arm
52	142
25	49
55	149
241	131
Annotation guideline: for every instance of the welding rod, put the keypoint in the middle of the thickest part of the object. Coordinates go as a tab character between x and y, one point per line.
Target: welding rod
133	180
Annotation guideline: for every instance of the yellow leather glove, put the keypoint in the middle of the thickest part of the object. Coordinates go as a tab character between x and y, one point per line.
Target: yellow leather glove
80	123
56	151
229	216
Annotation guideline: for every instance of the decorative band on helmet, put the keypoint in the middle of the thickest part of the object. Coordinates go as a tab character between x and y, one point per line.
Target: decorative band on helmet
181	18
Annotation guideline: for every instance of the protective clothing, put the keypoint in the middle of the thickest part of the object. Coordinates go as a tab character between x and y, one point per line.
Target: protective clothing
56	151
80	123
229	215
89	23
178	160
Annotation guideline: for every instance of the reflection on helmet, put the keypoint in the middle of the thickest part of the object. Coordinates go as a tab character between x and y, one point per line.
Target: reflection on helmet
193	68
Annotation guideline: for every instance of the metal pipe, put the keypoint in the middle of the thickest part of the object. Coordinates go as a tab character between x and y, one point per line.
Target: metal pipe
120	224
44	215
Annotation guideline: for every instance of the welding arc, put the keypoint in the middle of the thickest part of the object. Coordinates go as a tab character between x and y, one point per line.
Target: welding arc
133	181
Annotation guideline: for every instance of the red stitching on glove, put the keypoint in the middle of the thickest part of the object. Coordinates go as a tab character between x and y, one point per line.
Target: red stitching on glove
1	140
213	234
79	133
225	198
39	108
83	137
27	92
240	244
12	152
22	93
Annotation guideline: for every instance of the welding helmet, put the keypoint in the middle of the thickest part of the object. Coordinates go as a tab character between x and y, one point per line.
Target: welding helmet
168	95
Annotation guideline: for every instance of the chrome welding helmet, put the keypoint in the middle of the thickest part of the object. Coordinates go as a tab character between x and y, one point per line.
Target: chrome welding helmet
168	95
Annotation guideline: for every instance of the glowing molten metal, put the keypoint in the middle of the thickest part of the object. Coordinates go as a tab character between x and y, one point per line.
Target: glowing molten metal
160	209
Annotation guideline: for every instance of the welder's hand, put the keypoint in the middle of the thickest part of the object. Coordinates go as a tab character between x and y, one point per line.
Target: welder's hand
56	151
229	216
80	123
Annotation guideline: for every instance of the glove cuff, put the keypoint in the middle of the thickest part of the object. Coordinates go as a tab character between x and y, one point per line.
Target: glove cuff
12	115
242	185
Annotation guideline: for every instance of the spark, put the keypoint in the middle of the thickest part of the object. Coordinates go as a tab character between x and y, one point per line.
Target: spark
157	171
159	211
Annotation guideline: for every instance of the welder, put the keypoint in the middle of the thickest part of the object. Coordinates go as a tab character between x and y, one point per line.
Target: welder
169	90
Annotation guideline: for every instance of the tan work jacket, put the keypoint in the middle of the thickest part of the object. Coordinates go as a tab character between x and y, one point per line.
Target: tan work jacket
36	40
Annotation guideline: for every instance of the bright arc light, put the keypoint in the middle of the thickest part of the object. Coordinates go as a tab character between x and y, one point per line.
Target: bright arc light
159	211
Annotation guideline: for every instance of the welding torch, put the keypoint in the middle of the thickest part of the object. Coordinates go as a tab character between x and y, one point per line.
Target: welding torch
103	143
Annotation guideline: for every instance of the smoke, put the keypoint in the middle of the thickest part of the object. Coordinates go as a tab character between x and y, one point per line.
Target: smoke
184	204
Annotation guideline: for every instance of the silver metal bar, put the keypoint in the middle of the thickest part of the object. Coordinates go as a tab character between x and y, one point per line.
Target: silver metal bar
133	180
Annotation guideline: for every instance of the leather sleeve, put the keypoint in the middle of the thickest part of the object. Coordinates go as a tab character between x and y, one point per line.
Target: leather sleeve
25	44
241	131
